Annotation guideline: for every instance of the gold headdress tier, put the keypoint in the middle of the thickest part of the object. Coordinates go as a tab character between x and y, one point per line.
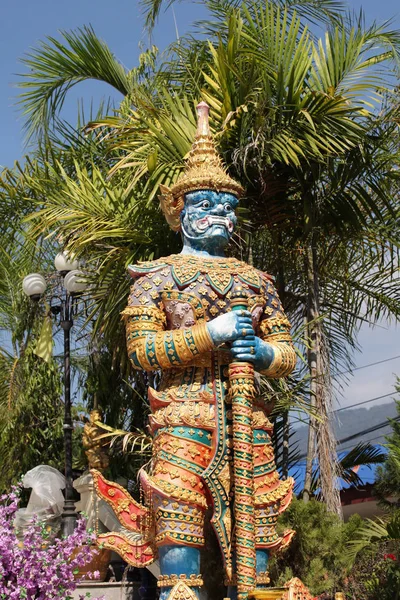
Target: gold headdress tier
203	171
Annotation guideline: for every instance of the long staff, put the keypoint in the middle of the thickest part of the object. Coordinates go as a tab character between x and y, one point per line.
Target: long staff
242	392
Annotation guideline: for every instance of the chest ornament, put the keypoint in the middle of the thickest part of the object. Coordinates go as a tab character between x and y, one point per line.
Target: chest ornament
219	273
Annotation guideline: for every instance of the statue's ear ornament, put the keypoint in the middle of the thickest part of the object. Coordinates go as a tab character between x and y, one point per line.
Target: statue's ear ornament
203	171
171	207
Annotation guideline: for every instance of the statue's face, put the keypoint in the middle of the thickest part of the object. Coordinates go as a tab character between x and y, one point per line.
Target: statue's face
209	217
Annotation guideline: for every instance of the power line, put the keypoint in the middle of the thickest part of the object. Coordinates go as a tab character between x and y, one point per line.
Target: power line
360	433
379	362
370	430
377	437
364	402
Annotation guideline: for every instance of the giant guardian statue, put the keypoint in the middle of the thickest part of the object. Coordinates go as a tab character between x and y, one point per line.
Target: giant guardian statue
209	324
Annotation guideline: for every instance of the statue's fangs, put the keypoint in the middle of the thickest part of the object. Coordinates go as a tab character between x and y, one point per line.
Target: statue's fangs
207	322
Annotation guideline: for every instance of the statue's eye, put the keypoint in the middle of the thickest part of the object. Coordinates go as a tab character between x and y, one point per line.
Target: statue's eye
205	204
228	207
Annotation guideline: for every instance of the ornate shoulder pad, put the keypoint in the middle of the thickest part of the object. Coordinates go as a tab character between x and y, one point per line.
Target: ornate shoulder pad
147	267
266	277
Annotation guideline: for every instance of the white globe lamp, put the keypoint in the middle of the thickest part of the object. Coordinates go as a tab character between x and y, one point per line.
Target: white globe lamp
34	285
74	282
64	262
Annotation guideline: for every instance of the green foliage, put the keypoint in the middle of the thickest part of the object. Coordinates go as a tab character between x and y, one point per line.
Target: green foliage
83	48
31	422
374	554
387	486
317	11
316	553
31	410
125	409
385	580
374	549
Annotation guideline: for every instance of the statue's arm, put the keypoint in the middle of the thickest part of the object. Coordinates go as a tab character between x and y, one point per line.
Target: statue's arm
151	347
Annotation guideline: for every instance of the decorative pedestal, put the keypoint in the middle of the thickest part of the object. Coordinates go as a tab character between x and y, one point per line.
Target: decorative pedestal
271	594
293	590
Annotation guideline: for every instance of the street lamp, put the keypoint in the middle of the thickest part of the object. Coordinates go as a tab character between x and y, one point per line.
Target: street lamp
67	284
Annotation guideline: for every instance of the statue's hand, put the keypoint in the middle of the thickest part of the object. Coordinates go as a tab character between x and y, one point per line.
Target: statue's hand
252	349
232	326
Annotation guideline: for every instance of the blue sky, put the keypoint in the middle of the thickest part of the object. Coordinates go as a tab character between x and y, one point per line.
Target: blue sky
119	23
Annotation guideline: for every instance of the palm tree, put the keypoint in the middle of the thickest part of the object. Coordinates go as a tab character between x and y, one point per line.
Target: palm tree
317	11
292	122
58	67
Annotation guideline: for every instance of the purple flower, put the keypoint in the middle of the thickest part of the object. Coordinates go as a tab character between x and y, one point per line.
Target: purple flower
34	567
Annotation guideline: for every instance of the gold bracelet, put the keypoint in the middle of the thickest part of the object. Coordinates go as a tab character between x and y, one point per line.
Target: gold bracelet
202	338
161	352
279	336
142	357
283	363
146	326
154	313
133	345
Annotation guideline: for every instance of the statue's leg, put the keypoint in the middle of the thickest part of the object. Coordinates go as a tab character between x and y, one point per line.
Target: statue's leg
179	537
262	577
177	495
182	562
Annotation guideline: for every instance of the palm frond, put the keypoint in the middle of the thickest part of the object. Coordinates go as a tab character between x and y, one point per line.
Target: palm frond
131	442
364	454
56	66
372	532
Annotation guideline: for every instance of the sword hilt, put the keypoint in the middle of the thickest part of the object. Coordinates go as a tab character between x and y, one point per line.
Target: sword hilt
239	299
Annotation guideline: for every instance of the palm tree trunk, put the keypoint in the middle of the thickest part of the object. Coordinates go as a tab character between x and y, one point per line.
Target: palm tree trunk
285	445
320	436
312	334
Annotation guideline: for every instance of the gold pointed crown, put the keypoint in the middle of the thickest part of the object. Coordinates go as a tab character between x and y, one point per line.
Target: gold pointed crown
203	171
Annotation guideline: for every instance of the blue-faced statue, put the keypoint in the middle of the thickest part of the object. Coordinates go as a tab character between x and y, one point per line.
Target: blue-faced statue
207	324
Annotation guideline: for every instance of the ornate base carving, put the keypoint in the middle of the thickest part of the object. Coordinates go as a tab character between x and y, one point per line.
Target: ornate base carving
182	592
189	580
268	594
262	578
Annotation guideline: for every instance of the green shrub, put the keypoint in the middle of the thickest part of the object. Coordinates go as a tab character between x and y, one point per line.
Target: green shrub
317	552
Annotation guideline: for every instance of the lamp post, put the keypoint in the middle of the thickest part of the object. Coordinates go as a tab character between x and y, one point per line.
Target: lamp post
67	285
